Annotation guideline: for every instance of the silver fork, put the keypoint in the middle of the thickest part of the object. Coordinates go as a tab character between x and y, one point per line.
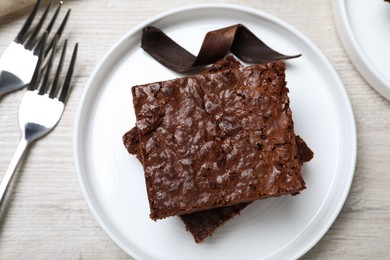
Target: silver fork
19	60
41	107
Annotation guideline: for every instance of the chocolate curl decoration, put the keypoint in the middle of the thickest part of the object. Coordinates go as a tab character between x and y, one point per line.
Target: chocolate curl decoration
237	39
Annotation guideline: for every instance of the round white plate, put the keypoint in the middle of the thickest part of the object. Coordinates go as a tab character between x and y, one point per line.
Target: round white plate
364	29
112	180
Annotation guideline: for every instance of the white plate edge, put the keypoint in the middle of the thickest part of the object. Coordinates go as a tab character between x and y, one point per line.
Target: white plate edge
356	53
245	9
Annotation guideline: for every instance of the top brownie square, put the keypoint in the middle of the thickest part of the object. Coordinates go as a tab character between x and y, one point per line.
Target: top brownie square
217	139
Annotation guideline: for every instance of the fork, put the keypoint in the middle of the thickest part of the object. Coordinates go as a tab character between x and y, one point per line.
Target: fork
19	60
41	107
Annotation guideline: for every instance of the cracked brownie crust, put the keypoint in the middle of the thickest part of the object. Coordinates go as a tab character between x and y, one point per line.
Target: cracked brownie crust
217	139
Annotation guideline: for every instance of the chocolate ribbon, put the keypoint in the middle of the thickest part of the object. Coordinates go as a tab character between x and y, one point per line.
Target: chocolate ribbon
237	39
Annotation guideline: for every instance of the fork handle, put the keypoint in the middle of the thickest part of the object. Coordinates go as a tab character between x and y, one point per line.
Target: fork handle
5	183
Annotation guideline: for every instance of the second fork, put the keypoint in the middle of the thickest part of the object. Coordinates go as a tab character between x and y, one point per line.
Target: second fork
41	108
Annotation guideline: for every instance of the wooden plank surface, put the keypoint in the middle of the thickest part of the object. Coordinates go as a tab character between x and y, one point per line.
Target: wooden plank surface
47	216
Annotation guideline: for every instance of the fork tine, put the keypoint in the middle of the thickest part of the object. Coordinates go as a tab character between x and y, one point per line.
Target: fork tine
31	40
22	33
59	31
51	24
34	81
66	86
53	19
54	86
49	65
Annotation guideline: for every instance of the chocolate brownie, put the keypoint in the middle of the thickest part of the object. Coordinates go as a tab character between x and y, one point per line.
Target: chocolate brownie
203	223
131	142
217	139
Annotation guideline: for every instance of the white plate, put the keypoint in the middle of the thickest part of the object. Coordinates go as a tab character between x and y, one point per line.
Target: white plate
112	180
364	29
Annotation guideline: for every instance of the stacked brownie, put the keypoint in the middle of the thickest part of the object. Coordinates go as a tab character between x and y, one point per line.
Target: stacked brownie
212	143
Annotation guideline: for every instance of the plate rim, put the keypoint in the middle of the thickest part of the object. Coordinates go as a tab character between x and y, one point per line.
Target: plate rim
235	7
356	53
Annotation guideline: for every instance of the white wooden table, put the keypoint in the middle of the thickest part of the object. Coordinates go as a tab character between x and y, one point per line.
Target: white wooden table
47	217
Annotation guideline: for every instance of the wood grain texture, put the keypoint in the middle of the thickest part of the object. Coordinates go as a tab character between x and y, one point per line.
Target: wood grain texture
47	216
